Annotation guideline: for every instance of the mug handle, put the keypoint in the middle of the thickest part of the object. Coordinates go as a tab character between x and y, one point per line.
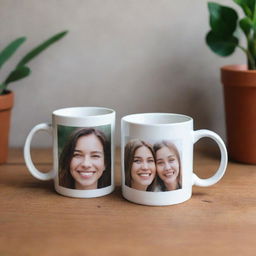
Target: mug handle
223	161
27	154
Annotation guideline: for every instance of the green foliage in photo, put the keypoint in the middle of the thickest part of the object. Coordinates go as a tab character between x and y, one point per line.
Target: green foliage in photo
64	133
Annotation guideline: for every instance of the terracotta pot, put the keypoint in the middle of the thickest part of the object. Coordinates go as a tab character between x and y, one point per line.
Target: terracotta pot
240	106
6	103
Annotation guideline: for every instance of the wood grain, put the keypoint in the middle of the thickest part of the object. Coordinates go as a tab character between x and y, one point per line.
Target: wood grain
35	220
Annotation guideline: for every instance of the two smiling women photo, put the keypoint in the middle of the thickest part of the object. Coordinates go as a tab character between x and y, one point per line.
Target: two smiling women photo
152	167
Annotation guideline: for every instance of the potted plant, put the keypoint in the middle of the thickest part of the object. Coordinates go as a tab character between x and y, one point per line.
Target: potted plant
239	81
20	71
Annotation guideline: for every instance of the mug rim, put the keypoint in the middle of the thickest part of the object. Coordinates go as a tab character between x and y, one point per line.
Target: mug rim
78	110
128	119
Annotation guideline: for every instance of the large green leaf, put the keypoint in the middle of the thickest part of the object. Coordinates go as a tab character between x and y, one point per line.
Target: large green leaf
221	46
17	74
10	49
37	50
246	25
223	20
248	7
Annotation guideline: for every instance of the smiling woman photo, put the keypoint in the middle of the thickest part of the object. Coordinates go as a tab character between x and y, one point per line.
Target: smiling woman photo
140	168
168	166
85	160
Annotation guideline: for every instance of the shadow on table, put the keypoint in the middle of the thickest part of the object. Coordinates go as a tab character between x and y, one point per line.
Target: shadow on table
30	185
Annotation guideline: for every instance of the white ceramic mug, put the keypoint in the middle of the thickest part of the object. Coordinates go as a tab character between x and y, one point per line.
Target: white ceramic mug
83	151
157	158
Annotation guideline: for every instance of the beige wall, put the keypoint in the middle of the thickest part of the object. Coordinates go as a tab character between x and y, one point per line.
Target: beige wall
130	55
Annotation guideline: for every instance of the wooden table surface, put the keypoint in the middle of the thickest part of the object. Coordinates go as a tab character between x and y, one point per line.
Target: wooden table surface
35	220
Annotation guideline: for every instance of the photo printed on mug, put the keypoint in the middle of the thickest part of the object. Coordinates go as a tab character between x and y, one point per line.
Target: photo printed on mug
153	165
84	157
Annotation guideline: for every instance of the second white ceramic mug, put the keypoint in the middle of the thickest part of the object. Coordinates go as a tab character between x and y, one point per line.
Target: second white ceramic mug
83	151
157	158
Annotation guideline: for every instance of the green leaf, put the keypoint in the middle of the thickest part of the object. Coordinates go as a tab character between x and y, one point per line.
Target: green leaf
248	7
246	25
10	50
223	20
17	74
221	46
2	88
37	50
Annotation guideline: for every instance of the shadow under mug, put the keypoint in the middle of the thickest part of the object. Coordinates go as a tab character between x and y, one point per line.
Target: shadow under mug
83	151
157	158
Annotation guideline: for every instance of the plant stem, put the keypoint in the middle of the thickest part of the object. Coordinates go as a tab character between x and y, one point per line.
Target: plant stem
2	88
249	56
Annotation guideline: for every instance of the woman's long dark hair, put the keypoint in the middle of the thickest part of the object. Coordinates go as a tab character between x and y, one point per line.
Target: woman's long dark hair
65	178
129	153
